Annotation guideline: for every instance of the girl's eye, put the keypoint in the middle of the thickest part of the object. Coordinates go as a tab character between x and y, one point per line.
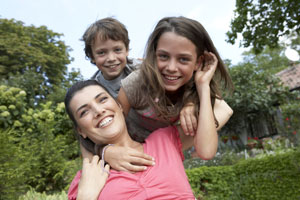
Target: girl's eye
162	56
183	60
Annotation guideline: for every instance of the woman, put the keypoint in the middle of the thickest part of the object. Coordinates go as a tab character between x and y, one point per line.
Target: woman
99	119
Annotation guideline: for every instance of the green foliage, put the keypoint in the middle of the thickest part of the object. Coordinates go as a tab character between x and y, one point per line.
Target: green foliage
270	177
39	146
32	195
32	58
257	92
262	22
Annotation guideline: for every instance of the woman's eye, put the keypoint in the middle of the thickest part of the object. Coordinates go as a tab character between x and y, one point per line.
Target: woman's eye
102	99
83	113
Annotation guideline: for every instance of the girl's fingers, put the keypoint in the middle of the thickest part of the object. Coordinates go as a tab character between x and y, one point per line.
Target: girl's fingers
141	155
141	161
183	125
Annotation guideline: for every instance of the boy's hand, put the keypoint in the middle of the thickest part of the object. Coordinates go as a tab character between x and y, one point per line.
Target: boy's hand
127	159
92	179
188	120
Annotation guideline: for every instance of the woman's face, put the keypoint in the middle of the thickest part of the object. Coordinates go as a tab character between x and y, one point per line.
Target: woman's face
176	60
97	114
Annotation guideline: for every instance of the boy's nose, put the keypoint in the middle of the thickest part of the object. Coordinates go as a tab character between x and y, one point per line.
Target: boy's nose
111	56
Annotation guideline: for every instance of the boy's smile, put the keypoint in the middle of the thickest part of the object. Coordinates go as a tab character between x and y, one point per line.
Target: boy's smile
110	57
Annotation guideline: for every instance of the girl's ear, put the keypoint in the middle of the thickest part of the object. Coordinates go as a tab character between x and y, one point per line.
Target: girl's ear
81	133
199	63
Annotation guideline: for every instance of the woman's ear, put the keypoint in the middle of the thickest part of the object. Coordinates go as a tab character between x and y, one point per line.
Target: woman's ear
120	106
199	63
81	133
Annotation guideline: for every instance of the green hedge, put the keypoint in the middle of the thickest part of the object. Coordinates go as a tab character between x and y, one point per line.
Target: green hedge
272	177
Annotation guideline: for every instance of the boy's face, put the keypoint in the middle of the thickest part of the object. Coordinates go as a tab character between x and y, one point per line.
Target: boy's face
110	57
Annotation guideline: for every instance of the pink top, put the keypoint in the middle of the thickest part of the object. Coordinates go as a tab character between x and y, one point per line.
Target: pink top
166	180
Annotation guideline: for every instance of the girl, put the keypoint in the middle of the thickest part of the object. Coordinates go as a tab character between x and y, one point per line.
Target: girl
97	117
176	70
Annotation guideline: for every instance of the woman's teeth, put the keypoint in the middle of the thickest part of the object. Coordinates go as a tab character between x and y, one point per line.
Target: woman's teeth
105	121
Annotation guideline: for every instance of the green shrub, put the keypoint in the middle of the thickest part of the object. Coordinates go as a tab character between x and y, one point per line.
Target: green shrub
270	177
32	195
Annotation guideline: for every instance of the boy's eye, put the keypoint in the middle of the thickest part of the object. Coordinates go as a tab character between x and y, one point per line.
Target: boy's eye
100	53
118	49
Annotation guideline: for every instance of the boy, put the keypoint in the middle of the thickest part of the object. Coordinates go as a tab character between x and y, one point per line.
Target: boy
107	46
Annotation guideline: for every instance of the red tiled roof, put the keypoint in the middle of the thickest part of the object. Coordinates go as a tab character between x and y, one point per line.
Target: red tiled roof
290	77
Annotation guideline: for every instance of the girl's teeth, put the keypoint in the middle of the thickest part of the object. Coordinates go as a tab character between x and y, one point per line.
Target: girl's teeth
105	121
171	77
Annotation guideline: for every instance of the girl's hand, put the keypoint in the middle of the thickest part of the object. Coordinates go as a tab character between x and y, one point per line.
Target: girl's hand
188	121
92	179
127	159
205	73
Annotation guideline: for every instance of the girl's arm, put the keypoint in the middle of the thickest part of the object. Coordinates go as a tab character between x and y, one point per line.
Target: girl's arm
122	158
206	138
188	120
123	100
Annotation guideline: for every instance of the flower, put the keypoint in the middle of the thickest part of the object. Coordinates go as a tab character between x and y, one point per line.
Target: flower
294	132
287	119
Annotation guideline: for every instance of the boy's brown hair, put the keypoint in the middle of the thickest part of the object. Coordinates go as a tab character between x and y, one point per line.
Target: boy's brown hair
106	28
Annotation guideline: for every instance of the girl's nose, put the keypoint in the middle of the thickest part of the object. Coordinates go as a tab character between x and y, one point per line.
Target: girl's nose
171	66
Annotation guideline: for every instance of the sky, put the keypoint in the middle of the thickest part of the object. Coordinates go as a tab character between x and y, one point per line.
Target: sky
72	17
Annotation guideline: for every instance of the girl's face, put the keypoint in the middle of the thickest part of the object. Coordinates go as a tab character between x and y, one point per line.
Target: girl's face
110	57
97	114
176	60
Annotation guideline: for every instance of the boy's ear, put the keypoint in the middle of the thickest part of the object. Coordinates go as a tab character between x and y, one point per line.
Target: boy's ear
81	133
199	63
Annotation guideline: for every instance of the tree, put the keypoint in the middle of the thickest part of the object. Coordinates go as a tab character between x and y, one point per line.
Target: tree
32	58
262	22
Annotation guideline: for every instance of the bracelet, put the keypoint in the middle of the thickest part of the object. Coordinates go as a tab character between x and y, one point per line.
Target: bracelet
102	157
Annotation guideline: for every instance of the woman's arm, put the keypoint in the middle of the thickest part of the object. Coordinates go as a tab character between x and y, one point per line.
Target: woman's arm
93	178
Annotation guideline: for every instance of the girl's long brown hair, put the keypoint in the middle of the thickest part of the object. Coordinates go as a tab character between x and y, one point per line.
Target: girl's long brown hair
151	87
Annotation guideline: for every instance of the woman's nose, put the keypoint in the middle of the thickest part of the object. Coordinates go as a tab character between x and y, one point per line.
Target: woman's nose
98	110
